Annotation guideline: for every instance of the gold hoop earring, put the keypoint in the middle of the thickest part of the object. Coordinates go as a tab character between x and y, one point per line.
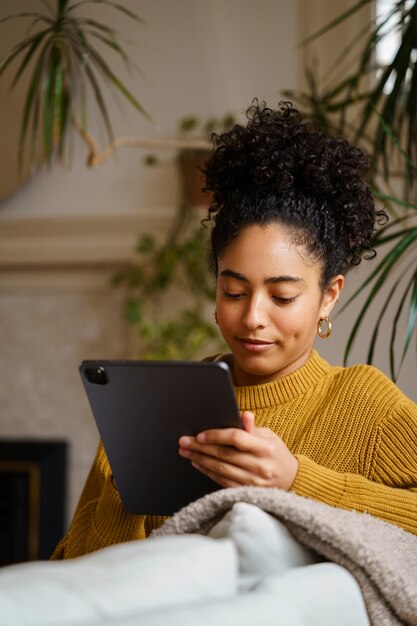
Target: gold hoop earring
215	318
324	334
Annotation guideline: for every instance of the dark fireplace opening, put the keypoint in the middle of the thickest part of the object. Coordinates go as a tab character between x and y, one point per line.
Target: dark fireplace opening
33	494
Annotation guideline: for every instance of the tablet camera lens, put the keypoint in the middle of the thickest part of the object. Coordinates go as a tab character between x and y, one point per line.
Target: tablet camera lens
96	375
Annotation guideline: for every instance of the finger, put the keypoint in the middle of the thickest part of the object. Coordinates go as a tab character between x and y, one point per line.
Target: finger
233	437
227	443
240	466
224	453
220	480
185	441
248	421
225	472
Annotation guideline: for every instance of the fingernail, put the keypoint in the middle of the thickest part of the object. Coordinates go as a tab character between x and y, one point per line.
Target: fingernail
184	452
201	437
185	441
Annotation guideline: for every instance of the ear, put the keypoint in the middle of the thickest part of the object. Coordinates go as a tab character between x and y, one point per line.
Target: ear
331	295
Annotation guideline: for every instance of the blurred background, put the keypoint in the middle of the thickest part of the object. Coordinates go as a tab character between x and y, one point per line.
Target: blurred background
77	237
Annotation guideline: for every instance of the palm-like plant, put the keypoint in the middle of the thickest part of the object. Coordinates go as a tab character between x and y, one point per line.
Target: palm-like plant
377	107
65	66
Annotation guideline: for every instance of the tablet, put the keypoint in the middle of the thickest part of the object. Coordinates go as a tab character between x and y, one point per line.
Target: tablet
141	409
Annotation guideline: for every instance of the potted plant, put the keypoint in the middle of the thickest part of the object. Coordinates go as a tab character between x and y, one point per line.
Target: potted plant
175	270
377	107
190	161
66	68
194	135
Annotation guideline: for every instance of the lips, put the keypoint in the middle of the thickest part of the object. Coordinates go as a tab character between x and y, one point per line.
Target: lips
254	345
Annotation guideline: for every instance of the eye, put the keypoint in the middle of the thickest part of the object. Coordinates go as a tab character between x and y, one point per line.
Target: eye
232	296
282	300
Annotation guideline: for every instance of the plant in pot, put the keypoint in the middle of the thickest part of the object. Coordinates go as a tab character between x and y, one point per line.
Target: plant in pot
190	160
194	137
175	270
60	50
376	106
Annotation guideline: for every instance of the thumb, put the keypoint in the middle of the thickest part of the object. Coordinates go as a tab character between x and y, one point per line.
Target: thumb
248	421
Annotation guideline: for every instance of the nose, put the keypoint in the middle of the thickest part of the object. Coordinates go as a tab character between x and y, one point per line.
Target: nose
254	315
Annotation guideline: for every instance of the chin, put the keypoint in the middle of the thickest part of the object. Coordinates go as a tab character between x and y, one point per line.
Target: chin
266	369
259	371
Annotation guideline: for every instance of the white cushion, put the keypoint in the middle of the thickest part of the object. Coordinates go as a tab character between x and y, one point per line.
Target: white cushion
118	582
264	544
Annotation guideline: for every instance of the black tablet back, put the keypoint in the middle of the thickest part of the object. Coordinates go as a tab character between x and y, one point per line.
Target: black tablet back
141	409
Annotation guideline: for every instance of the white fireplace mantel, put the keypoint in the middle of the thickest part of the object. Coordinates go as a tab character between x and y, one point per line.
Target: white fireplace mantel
80	251
76	240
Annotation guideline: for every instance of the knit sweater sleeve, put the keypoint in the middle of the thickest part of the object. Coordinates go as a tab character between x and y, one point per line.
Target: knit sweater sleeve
100	519
390	490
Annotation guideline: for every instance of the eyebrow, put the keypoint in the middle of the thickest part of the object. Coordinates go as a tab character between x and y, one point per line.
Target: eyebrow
272	280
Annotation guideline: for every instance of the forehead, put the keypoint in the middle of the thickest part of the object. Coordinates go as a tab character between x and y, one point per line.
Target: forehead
271	250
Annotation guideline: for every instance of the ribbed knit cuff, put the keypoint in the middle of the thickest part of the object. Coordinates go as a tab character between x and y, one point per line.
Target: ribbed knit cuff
112	522
318	482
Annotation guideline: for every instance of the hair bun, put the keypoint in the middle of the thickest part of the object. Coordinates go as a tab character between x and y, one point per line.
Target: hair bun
279	156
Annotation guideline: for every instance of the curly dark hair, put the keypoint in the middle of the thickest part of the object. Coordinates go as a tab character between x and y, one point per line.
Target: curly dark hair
279	168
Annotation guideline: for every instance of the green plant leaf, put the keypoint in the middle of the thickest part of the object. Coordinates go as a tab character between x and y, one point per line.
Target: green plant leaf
58	106
112	78
15	51
380	273
99	97
112	44
133	314
108	36
398	234
47	113
188	124
412	318
379	319
82	40
398	67
47	5
381	235
343	56
338	20
90	22
29	54
394	326
387	259
411	110
387	131
37	16
30	100
34	134
403	203
146	244
115	5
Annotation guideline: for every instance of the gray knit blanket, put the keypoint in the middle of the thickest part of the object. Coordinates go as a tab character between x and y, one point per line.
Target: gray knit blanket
382	557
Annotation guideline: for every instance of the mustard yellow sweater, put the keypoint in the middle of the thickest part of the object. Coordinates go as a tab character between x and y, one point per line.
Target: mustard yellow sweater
354	434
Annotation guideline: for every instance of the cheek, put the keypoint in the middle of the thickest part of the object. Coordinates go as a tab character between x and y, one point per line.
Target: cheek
296	323
227	316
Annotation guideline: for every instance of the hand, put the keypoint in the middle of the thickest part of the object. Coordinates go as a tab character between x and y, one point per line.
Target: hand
233	457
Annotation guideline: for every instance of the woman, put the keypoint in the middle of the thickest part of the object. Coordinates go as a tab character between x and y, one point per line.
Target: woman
291	211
